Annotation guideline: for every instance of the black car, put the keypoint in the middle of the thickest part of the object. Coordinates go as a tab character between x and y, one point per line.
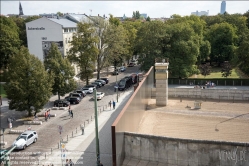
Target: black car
98	84
76	95
124	83
73	100
101	81
83	93
129	80
105	79
91	86
131	65
61	103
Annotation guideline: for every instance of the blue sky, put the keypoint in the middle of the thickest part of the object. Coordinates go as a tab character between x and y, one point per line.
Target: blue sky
154	9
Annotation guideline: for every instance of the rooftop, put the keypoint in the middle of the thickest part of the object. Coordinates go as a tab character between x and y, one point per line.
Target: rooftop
64	22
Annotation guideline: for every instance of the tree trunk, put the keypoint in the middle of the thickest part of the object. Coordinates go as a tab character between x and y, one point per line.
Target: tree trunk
58	96
98	74
87	81
29	111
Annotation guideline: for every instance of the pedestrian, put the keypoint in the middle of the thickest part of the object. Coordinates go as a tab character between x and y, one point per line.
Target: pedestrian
113	104
110	104
71	113
46	116
49	114
71	162
67	162
35	115
82	128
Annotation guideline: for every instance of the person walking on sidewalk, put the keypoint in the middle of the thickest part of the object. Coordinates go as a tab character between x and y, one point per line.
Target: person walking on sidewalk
113	104
49	114
82	128
110	104
71	113
71	162
46	116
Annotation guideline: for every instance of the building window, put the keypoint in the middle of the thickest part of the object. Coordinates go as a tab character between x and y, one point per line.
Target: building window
65	30
66	40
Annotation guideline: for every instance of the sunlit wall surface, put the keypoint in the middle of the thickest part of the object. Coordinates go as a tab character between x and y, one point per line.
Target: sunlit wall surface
130	116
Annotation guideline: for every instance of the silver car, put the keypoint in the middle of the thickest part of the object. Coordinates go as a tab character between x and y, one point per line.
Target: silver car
25	139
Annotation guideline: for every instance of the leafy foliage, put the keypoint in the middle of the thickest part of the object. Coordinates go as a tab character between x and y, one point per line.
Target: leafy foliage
83	51
205	69
30	85
226	69
9	40
60	71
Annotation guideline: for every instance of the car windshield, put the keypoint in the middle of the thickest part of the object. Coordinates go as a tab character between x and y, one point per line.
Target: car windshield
122	83
21	137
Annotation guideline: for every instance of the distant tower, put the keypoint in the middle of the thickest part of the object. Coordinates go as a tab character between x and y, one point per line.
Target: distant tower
223	7
20	9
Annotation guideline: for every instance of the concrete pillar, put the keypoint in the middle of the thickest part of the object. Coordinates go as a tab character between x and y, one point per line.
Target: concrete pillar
161	72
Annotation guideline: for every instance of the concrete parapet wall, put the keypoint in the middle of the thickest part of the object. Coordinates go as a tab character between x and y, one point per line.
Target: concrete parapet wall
220	94
32	122
175	151
16	131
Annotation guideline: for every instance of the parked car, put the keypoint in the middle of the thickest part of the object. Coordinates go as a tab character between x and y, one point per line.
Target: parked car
83	93
123	84
25	139
97	83
76	95
129	80
115	72
105	79
88	90
73	100
134	61
61	103
131	64
91	86
99	95
122	68
101	81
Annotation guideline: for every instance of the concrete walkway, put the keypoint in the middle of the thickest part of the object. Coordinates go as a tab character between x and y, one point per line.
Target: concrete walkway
75	147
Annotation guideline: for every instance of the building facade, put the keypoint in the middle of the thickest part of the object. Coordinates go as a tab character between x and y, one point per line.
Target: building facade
223	7
200	13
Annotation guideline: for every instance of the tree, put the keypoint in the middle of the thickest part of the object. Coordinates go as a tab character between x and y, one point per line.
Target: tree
83	51
60	70
243	53
9	40
226	69
111	41
21	24
114	21
30	85
59	14
149	43
222	38
136	15
148	18
205	69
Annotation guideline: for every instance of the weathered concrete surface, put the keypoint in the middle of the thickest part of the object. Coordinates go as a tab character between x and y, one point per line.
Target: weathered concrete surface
219	94
183	152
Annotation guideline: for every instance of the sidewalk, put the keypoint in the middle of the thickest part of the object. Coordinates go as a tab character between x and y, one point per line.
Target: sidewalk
72	146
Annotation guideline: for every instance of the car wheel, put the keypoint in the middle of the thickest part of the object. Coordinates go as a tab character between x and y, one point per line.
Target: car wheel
35	140
24	147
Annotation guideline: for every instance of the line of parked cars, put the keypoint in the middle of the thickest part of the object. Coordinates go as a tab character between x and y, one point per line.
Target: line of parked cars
78	95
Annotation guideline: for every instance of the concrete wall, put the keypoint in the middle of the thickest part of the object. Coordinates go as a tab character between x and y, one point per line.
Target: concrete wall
183	152
129	118
222	94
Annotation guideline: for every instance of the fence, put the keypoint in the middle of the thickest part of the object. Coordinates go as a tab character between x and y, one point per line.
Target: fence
217	81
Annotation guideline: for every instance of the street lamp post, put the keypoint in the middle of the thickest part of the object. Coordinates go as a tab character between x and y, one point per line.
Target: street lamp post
117	86
96	128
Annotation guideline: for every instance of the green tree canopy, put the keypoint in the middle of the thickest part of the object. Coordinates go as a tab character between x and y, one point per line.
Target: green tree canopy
9	40
83	51
60	70
30	85
222	38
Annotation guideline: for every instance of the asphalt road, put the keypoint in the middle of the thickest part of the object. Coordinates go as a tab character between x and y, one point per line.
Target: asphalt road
48	131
